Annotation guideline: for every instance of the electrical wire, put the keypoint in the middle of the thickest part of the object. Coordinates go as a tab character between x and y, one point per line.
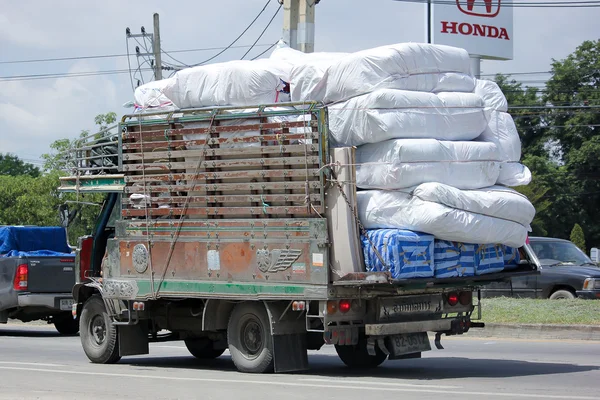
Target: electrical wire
174	59
125	55
263	32
129	64
236	39
269	48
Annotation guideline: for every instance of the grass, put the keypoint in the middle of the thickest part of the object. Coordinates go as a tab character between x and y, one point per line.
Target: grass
528	311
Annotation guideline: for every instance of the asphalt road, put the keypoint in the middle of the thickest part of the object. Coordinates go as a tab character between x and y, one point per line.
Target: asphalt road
37	363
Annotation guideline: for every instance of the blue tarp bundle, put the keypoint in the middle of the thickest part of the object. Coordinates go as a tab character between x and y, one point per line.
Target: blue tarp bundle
489	258
23	240
453	259
511	257
406	254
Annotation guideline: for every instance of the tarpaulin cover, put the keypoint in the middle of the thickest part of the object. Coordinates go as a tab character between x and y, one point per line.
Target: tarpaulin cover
406	254
501	131
453	259
470	216
489	258
402	163
408	66
33	238
397	114
38	253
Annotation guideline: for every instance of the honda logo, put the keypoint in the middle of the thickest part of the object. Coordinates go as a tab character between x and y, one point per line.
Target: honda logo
479	8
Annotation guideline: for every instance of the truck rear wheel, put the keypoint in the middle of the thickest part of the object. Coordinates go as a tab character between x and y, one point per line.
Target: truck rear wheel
358	357
203	348
249	338
65	324
98	334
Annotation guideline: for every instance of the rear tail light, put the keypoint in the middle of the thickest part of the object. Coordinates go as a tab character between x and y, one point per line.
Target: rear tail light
331	307
453	298
20	282
139	306
465	298
345	305
298	306
85	258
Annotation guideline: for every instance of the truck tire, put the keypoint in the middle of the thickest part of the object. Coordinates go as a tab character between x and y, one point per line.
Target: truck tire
249	338
98	334
203	348
562	295
358	357
66	325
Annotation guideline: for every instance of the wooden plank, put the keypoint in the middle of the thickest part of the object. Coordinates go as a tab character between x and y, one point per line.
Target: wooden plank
246	163
232	198
230	224
255	174
241	152
166	132
252	186
214	211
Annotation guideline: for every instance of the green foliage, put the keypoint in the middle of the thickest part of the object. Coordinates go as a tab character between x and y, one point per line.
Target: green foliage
504	310
578	238
560	143
13	166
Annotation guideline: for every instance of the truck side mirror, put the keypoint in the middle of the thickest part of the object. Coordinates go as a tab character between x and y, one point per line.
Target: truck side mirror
66	216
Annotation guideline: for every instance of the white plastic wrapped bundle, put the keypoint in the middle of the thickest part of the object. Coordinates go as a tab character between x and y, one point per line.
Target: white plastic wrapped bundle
501	130
502	216
149	98
491	94
238	83
392	114
514	174
409	66
403	163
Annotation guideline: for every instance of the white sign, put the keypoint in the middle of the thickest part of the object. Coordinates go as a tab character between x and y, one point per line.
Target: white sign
482	27
594	254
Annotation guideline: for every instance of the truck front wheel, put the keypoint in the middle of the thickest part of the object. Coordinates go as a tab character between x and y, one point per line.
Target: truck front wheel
98	334
357	356
249	338
203	348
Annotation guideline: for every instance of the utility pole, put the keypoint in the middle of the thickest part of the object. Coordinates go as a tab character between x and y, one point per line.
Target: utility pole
156	49
290	22
306	25
299	24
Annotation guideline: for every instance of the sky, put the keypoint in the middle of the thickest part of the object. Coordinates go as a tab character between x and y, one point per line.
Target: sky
36	112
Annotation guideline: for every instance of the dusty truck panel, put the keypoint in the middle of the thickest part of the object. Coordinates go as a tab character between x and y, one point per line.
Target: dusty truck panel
237	228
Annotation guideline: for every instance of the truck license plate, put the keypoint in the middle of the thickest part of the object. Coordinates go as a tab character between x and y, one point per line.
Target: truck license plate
410	343
66	304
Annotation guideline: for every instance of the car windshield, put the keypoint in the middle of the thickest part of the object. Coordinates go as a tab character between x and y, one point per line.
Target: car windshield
551	252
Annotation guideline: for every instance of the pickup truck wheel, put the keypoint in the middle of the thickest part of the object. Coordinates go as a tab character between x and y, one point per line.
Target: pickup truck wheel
562	295
358	357
66	325
203	348
98	334
249	338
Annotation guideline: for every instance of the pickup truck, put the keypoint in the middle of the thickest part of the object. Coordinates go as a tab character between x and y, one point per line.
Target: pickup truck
566	272
37	276
244	241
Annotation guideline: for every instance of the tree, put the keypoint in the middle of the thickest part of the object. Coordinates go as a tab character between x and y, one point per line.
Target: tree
55	160
578	237
12	165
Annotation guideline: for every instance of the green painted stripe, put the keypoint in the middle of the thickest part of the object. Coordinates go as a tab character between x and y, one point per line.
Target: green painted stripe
219	287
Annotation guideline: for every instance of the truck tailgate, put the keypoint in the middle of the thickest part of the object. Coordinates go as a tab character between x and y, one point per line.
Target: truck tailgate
51	274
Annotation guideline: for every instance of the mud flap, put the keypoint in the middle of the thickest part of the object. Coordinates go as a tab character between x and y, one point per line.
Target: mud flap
290	352
133	339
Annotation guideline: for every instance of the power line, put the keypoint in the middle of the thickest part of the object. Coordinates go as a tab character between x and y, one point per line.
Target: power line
264	30
236	39
268	48
127	55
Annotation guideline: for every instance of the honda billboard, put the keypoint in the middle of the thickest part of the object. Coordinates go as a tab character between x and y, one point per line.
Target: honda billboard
482	27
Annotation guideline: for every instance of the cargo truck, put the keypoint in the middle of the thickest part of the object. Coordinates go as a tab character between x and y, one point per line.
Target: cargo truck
236	228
